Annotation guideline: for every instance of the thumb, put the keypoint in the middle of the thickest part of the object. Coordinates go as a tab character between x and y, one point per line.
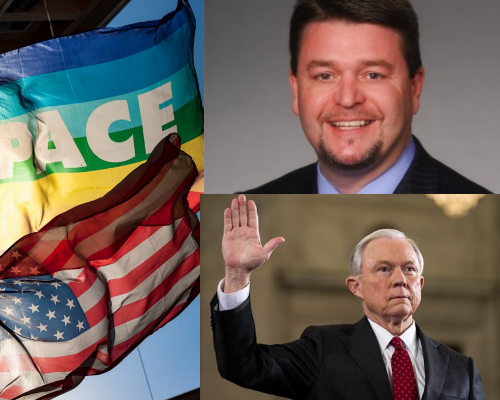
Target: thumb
270	246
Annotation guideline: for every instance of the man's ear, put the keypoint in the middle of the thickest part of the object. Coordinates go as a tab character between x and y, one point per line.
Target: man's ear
417	83
293	85
353	283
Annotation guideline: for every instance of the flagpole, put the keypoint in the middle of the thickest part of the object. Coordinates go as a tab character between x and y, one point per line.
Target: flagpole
145	374
48	17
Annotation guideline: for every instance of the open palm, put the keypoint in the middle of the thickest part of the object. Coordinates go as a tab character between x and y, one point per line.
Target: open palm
241	246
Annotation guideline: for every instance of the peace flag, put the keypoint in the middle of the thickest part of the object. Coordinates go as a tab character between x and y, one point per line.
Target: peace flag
78	113
83	292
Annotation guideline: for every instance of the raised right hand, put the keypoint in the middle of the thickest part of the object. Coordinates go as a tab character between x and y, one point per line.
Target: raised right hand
241	246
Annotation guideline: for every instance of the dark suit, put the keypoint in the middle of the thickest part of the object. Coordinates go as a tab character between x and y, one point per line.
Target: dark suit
425	175
331	362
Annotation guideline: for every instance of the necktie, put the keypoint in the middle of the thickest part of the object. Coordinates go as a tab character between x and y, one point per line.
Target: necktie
403	378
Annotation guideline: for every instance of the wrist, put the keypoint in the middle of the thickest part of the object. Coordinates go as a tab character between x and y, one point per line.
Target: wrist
235	280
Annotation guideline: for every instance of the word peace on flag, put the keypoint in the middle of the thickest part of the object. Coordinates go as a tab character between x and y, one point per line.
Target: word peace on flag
55	149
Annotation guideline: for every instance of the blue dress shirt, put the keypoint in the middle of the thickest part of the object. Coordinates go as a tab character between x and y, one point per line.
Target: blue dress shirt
385	183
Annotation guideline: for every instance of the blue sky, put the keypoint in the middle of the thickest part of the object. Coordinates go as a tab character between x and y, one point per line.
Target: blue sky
172	355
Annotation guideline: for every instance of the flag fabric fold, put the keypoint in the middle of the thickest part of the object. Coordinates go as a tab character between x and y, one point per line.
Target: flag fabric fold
78	113
83	292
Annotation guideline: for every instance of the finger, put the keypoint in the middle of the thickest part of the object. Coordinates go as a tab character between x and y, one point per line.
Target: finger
235	213
243	209
270	246
228	223
253	217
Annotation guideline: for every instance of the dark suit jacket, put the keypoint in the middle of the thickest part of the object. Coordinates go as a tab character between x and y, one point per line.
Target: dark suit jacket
331	362
425	175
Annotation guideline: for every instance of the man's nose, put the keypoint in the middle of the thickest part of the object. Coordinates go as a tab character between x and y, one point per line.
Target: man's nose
349	92
398	277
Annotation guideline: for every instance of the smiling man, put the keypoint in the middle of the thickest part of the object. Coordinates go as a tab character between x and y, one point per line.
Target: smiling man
356	77
383	356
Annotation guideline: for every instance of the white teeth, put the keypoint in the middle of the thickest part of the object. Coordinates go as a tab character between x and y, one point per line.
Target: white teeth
350	124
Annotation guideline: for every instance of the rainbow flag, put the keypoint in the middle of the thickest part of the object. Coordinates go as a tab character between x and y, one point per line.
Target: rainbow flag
79	113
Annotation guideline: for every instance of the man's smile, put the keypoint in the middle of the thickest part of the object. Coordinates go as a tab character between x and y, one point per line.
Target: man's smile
354	124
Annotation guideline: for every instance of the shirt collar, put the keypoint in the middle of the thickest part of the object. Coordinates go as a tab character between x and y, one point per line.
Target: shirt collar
409	337
385	183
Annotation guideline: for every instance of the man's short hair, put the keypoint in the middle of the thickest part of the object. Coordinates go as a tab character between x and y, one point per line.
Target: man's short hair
396	14
356	259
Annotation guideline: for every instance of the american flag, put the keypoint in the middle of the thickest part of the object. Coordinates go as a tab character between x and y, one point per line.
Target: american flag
82	293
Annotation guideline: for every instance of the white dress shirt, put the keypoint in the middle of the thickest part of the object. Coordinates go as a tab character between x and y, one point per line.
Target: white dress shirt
233	300
413	347
409	337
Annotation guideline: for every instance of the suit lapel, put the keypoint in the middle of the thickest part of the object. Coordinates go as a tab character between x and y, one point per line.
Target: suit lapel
365	350
423	174
436	366
306	182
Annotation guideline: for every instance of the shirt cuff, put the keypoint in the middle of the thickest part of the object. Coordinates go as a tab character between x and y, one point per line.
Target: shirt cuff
230	301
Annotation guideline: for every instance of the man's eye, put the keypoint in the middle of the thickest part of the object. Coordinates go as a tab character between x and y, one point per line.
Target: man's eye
324	77
383	269
411	268
374	76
